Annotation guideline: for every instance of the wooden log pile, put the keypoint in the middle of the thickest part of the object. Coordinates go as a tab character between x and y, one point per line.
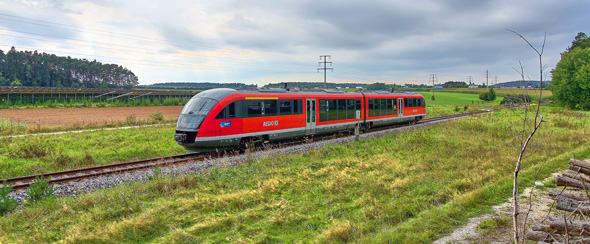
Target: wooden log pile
575	226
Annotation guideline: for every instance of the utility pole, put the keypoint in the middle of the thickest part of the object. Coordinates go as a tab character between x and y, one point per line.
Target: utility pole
487	84
469	79
433	79
324	68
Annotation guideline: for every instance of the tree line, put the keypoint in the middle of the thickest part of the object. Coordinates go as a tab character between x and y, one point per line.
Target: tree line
30	68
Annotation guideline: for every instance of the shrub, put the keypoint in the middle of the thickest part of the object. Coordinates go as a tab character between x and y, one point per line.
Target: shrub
457	108
32	148
7	204
171	102
39	190
7	127
157	116
131	119
517	98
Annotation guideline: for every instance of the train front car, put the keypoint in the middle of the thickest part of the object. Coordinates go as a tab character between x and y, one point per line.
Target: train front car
194	113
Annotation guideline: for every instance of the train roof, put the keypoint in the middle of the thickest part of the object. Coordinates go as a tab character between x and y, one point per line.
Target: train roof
220	93
325	91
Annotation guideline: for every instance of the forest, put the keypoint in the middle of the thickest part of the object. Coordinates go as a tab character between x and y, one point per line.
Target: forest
30	68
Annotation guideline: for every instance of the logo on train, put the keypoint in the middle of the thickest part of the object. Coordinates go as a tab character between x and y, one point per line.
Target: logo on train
225	124
270	123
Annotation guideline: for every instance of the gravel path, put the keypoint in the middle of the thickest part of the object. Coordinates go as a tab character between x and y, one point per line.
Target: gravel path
76	188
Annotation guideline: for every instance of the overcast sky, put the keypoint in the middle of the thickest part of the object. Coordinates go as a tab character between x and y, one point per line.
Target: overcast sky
257	42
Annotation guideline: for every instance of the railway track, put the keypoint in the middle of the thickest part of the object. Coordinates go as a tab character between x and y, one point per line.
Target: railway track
20	183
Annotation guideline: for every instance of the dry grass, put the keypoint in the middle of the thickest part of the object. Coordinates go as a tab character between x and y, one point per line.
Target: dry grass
410	187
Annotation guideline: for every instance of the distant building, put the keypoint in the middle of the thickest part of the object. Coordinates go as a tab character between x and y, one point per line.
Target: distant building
530	87
471	87
438	87
358	87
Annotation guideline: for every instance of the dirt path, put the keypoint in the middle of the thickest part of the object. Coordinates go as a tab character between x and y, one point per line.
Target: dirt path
504	233
65	117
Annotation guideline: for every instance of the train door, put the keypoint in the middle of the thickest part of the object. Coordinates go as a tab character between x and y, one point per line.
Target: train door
310	116
400	107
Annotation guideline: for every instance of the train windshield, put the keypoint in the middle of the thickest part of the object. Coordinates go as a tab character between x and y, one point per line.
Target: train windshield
191	122
199	106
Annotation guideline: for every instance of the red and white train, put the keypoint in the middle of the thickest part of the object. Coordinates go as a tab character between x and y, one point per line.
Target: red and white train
221	119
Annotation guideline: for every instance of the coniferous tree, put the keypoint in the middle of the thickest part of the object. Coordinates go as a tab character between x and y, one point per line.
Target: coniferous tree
31	68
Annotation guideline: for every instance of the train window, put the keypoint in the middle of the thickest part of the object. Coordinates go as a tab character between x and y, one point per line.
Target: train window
298	106
341	109
383	107
371	109
358	105
229	112
323	110
255	109
389	107
377	107
270	107
350	111
422	103
286	107
332	110
221	114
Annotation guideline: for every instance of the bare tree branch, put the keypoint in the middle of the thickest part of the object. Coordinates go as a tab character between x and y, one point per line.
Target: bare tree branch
538	119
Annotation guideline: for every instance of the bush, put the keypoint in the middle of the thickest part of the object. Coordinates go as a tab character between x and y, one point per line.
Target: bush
7	127
157	116
518	98
32	147
488	96
457	108
39	190
131	120
7	204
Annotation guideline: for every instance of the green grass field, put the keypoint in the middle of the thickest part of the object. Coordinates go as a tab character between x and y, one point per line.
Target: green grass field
454	98
500	91
409	187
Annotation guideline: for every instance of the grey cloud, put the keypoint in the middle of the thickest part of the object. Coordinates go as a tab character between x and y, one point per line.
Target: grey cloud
180	37
241	23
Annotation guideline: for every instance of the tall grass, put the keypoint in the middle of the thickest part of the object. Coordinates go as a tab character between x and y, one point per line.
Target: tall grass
410	187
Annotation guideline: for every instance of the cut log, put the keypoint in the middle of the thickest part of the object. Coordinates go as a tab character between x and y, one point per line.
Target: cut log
574	227
565	181
572	205
580	176
577	197
582	169
545	228
580	163
536	235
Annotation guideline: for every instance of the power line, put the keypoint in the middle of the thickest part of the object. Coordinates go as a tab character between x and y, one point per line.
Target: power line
163	64
129	37
134	49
